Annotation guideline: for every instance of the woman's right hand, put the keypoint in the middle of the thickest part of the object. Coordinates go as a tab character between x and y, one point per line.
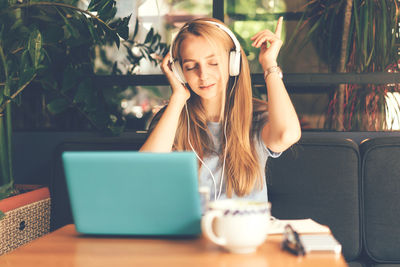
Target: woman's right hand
178	89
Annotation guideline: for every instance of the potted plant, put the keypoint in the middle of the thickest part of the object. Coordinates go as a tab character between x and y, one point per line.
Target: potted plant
356	36
52	45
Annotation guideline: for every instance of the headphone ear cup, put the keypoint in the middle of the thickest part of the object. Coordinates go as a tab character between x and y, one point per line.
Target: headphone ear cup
234	63
177	70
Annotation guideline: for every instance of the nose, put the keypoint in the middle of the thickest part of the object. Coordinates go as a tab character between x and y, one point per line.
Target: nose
202	72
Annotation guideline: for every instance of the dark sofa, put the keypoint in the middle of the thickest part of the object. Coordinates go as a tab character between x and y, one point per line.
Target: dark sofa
331	177
353	188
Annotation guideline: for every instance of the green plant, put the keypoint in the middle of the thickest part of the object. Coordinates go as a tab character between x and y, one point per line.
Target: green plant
364	41
36	44
52	45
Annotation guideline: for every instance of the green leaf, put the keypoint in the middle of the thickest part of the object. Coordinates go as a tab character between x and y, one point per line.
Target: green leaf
44	18
123	28
69	30
149	36
108	12
123	32
95	5
155	41
145	52
48	82
7	188
84	92
58	105
25	60
116	126
53	34
25	76
125	21
116	39
136	28
164	49
70	79
93	32
383	19
2	215
92	4
370	55
47	56
366	21
5	176
35	46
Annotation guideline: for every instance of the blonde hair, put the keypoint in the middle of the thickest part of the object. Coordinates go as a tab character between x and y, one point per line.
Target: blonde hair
242	173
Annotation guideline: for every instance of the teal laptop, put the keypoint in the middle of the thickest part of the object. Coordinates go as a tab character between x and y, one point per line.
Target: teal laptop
133	193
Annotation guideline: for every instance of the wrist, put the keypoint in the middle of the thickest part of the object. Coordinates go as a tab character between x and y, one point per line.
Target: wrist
179	99
273	69
269	64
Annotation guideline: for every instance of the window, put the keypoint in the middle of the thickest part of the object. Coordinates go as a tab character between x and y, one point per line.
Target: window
320	95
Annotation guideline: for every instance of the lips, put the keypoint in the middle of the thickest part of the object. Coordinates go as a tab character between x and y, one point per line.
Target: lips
206	86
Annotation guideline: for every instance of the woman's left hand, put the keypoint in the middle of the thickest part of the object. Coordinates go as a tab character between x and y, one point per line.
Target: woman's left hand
268	55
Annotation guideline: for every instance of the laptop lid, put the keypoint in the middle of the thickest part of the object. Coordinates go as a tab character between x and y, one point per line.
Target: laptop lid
133	193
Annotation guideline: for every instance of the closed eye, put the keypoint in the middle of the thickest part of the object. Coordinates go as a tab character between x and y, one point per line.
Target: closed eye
188	68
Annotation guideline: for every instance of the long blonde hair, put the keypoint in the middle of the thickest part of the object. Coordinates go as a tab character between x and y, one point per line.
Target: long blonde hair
242	167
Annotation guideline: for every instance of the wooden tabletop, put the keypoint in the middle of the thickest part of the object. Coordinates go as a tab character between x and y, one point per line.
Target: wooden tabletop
65	247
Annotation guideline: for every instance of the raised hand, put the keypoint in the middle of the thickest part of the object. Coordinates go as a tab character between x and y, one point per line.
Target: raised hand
178	89
268	54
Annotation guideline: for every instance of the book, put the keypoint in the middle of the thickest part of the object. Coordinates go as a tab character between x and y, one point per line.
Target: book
320	243
301	226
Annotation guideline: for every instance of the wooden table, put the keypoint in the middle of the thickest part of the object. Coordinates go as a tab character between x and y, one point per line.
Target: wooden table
65	247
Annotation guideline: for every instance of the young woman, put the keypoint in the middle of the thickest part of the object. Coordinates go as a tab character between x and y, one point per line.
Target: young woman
212	112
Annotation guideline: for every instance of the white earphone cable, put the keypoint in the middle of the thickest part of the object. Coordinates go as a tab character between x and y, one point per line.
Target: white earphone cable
202	162
225	150
226	144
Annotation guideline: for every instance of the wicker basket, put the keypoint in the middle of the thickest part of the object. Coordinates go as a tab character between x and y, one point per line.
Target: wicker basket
24	223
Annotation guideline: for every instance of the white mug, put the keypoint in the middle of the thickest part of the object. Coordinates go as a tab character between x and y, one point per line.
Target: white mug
239	226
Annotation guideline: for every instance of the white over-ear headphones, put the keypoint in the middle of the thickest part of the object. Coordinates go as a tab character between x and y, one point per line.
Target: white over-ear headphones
234	55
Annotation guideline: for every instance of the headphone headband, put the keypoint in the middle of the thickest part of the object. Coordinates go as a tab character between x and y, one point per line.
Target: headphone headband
234	55
229	32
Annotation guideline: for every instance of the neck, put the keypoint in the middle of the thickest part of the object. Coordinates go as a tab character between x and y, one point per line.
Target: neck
212	109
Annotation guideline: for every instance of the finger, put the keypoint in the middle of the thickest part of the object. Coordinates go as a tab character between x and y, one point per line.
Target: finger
167	57
255	36
259	36
166	63
264	39
278	29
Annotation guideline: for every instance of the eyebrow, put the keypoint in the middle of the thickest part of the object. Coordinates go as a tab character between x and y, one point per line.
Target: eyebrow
188	60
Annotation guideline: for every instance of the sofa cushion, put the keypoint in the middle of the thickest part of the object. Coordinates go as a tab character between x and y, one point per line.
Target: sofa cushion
381	191
318	178
355	264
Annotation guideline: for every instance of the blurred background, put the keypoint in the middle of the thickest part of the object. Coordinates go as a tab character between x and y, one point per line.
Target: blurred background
355	89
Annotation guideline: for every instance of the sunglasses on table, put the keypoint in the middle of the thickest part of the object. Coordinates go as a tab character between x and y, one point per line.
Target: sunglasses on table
291	241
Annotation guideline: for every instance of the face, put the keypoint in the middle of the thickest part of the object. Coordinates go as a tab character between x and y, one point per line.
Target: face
205	68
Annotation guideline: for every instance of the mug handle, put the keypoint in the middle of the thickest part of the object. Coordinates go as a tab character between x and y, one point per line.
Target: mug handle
206	226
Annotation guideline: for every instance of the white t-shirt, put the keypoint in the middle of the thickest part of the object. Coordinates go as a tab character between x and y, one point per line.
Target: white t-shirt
215	165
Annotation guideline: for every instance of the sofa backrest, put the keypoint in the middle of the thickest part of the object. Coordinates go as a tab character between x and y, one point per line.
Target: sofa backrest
318	178
60	205
381	191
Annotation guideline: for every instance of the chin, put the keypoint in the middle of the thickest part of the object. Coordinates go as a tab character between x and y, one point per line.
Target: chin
207	96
